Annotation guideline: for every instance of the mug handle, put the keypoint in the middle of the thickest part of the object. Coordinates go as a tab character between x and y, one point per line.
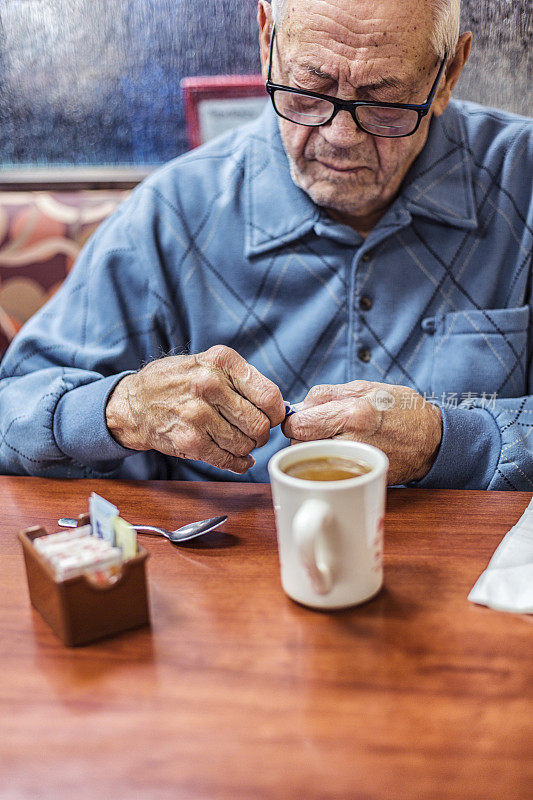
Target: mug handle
311	527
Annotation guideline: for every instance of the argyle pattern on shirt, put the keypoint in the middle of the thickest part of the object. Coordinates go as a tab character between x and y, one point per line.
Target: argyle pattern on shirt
221	247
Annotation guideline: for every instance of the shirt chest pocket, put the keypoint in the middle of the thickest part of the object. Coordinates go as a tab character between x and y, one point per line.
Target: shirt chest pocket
480	351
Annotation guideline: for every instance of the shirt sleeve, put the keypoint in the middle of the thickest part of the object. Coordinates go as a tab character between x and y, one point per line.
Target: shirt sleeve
487	442
109	317
485	445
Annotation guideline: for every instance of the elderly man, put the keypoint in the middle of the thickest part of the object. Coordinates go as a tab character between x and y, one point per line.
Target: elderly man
363	249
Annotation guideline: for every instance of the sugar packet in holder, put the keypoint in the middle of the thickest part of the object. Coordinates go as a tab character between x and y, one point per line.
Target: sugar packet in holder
79	552
125	537
84	586
103	513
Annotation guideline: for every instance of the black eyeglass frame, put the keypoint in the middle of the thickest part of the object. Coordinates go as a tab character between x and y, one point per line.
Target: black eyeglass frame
351	105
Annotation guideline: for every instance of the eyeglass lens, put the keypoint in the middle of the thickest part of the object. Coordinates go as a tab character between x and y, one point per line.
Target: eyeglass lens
377	120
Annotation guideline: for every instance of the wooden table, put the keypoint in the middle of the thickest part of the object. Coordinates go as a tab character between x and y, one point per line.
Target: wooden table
237	692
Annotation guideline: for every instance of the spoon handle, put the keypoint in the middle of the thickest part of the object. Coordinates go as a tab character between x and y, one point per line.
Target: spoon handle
151	530
67	522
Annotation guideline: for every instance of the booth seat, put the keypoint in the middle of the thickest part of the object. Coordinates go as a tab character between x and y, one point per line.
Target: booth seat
41	234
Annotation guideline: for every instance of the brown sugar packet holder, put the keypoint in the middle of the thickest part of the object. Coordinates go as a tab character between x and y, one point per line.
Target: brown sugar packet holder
79	610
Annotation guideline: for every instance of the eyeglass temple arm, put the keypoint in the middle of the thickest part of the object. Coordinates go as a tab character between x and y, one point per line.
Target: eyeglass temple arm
270	52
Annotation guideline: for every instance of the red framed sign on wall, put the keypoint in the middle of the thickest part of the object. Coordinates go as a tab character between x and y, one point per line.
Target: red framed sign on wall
215	104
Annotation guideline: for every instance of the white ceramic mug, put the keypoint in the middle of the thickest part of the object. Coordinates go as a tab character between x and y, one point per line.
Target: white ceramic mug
330	533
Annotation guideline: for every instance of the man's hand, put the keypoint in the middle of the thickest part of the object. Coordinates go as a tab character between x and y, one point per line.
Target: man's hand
212	407
394	418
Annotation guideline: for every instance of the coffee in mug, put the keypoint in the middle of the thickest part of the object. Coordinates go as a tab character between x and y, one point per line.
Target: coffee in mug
327	468
329	502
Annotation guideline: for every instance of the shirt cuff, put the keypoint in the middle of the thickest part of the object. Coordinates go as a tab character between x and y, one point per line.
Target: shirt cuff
469	451
80	427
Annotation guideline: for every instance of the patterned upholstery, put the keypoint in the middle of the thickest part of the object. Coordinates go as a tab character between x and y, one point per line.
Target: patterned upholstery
41	234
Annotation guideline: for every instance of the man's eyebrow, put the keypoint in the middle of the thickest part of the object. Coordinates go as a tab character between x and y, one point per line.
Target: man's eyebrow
318	73
384	83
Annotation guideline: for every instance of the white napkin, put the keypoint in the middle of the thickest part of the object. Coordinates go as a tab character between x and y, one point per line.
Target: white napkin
507	583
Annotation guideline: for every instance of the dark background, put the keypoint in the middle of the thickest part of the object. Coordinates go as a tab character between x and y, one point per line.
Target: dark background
86	82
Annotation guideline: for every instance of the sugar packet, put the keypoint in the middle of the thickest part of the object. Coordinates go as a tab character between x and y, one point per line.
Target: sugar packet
77	552
103	513
125	538
56	541
87	562
292	408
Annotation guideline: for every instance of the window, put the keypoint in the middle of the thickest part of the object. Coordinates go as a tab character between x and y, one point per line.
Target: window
91	84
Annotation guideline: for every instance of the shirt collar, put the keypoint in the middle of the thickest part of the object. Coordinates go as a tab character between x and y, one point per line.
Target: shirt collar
438	186
277	211
440	183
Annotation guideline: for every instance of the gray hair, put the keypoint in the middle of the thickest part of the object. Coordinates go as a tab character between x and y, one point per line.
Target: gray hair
445	33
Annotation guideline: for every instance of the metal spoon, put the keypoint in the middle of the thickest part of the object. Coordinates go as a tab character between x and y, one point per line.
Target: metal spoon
190	531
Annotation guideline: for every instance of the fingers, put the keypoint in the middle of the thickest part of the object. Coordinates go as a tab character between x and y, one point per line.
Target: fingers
245	417
217	457
325	393
213	439
350	415
249	382
333	410
199	445
320	394
317	422
228	437
214	388
213	407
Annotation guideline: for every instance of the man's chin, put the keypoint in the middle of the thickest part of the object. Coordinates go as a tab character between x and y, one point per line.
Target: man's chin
353	193
354	200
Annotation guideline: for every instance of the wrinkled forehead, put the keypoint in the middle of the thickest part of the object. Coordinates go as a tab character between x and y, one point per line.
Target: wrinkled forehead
344	34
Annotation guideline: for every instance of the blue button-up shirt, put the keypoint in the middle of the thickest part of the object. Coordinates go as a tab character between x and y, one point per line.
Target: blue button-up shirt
220	246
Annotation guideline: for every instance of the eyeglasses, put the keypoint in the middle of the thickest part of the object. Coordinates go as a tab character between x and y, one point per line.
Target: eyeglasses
387	120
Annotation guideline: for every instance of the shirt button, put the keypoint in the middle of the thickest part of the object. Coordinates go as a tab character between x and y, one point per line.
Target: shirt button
363	354
366	257
365	303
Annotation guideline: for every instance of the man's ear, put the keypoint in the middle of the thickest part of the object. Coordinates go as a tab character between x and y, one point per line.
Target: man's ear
264	20
453	72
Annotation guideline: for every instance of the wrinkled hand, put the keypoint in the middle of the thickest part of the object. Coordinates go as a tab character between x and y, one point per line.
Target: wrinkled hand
394	418
212	407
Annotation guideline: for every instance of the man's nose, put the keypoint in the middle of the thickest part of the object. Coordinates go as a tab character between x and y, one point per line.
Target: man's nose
342	131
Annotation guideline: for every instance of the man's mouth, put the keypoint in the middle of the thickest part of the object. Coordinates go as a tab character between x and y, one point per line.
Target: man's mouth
340	167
